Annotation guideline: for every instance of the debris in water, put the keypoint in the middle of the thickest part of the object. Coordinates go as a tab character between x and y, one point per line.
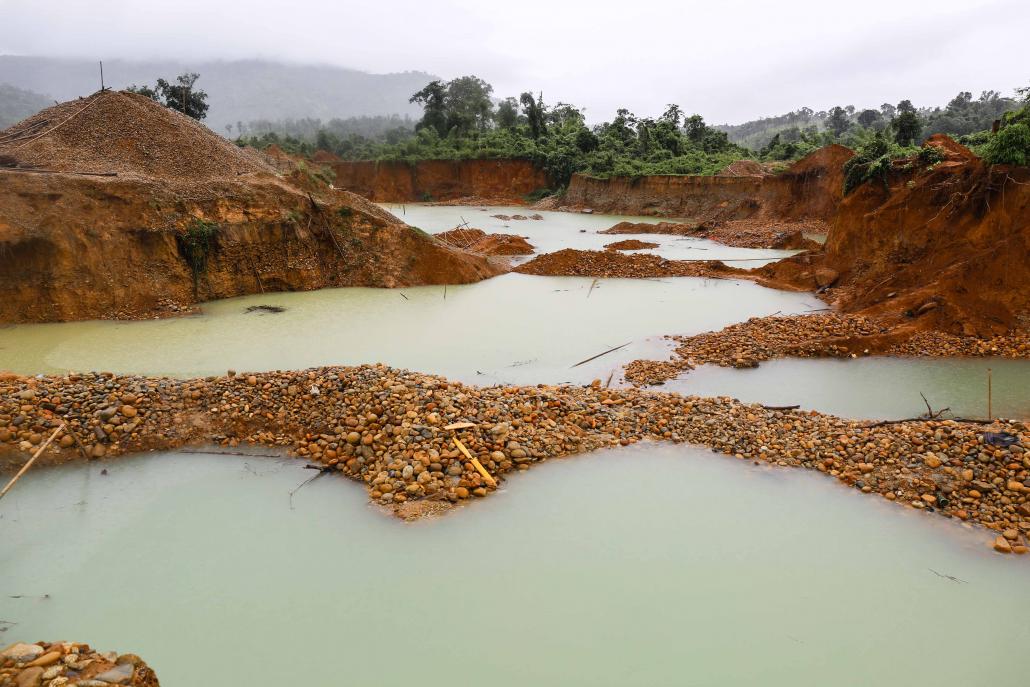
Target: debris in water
266	309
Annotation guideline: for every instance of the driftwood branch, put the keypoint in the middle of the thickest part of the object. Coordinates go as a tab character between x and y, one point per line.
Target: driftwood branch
595	357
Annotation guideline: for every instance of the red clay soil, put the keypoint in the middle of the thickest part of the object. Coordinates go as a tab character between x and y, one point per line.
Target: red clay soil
75	246
612	264
488	182
630	244
942	248
743	233
478	241
808	189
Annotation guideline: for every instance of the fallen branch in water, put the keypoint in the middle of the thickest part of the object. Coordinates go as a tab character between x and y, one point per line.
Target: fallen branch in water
610	350
321	471
947	577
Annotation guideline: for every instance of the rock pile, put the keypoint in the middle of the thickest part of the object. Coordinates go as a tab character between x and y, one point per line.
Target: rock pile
67	664
395	431
630	244
571	262
740	233
746	344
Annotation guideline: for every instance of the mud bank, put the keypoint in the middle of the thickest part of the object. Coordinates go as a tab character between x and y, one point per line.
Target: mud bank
398	433
937	247
74	248
497	182
116	207
808	189
70	663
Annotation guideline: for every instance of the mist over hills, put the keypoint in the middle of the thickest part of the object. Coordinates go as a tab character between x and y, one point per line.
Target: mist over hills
238	90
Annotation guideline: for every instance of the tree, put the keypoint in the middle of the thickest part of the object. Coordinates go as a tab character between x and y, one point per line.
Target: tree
507	115
888	111
534	110
868	117
182	96
837	121
907	124
468	105
696	128
434	107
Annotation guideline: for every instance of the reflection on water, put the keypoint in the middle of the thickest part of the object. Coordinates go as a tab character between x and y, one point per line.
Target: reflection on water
650	565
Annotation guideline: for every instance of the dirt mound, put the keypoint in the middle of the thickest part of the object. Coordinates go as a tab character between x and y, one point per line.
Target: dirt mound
952	150
461	237
478	241
122	133
120	208
503	244
630	244
941	248
744	168
742	233
612	264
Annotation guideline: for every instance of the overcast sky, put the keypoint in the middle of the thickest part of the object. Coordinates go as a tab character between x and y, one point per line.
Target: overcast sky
729	60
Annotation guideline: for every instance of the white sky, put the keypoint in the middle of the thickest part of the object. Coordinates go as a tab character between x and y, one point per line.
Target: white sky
729	60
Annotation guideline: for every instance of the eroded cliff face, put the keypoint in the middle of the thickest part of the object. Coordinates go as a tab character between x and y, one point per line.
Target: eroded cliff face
508	181
943	247
809	189
74	247
114	206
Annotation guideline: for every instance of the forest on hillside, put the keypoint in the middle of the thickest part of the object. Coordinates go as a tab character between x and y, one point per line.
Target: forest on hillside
461	119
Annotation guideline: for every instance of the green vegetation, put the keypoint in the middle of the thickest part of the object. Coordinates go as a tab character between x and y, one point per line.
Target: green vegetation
181	95
461	121
1011	144
195	246
962	116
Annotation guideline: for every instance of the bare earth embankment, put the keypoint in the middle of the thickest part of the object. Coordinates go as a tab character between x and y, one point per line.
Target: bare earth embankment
115	207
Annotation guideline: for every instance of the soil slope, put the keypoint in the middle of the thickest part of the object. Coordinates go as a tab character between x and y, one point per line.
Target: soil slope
808	189
184	216
496	182
942	247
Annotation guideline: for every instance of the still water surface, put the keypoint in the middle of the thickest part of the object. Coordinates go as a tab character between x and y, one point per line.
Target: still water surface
649	565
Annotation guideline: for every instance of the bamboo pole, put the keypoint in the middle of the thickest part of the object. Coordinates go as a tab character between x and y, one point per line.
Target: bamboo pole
25	468
475	463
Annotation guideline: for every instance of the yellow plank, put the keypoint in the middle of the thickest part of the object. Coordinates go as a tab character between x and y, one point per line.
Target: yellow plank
475	463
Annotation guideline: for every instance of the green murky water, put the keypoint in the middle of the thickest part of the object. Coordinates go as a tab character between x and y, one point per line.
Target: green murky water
650	565
514	328
558	230
876	387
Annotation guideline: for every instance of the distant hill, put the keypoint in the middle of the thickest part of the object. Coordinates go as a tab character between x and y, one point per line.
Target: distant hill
240	90
16	104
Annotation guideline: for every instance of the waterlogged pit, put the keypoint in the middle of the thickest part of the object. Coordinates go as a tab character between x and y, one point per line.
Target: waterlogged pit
875	387
511	329
648	565
559	230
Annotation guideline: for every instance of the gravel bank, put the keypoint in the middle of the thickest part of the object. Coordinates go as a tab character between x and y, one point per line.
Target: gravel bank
66	664
394	430
808	336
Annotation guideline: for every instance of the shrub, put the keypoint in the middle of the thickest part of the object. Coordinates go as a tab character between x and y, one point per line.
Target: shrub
1010	146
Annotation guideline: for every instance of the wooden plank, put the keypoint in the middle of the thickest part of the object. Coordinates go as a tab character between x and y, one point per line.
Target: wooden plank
475	463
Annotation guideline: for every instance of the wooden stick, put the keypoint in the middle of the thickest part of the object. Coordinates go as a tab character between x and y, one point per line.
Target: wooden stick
475	463
25	468
610	350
